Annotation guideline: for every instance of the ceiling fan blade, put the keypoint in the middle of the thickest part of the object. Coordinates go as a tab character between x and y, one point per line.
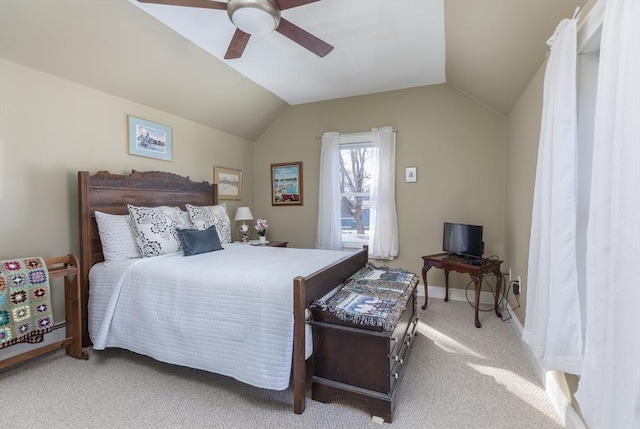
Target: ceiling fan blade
304	38
207	4
237	45
288	4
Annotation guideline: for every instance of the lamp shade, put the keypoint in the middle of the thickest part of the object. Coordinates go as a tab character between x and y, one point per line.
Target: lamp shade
243	213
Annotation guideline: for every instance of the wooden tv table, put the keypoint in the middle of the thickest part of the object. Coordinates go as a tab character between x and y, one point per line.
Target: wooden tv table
448	262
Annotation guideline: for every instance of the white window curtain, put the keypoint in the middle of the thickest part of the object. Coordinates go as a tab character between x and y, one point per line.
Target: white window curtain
383	241
329	233
553	327
609	388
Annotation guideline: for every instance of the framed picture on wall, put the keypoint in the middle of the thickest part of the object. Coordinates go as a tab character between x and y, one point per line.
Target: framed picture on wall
229	183
286	184
150	139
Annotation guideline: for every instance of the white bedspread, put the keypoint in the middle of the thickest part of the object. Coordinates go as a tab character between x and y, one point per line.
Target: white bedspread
228	312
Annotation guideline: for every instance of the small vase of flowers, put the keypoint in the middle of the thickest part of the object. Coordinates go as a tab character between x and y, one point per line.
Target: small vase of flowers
261	227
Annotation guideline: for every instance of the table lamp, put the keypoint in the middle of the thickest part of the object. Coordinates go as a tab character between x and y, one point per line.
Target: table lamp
244	214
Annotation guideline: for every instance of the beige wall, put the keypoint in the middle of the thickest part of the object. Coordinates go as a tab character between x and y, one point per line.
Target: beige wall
523	127
51	128
457	144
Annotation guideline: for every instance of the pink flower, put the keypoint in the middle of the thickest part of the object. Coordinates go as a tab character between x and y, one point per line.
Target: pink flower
261	226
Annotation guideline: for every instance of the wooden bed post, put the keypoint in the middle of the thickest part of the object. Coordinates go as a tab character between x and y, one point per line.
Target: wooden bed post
84	217
299	368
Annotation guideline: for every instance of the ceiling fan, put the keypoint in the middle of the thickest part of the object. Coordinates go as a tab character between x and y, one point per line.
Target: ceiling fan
257	17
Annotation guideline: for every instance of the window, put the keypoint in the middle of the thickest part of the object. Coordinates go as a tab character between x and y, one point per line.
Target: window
357	202
355	189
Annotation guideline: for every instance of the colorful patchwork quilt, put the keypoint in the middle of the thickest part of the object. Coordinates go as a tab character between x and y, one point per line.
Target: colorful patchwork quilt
25	304
374	296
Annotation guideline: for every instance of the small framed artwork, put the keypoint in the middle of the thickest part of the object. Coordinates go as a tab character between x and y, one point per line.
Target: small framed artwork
286	184
229	183
150	139
410	174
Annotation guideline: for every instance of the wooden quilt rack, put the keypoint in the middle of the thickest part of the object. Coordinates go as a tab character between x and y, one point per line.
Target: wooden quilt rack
67	267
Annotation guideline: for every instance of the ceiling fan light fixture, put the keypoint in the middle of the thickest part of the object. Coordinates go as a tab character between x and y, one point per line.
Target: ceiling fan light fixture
254	16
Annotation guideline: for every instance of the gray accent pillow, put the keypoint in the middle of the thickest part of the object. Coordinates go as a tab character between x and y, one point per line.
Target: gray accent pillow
195	241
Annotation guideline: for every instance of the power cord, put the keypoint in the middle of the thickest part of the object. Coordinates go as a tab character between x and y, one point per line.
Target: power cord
504	299
511	286
466	294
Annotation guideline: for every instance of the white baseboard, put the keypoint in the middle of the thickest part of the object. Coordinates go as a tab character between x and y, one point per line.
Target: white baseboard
486	297
568	415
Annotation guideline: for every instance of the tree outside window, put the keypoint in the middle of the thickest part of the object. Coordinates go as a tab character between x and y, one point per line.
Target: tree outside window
355	186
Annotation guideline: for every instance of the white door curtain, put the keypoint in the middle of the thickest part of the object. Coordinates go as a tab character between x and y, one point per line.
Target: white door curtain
609	388
553	327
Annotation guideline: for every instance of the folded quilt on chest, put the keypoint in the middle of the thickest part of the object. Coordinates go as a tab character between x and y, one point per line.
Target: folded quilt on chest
374	296
228	312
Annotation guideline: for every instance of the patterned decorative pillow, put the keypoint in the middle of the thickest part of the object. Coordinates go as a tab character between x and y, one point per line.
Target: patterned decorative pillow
117	237
156	229
206	216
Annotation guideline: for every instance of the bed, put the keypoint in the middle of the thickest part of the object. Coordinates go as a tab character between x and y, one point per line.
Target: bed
110	193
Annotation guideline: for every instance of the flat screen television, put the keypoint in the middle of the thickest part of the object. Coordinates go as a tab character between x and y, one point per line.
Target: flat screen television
463	240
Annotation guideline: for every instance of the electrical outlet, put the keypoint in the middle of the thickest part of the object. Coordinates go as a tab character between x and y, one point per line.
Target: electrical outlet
509	274
516	286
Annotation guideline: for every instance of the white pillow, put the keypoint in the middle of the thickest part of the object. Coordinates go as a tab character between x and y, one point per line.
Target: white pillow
156	229
204	217
117	237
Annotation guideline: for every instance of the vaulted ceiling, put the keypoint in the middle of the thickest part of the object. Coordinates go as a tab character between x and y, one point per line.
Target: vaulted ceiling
489	49
370	39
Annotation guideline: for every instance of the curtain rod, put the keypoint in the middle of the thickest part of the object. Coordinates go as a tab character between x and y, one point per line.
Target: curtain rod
579	9
395	131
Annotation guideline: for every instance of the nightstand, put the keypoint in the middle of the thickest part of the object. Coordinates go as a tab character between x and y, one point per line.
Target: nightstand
270	243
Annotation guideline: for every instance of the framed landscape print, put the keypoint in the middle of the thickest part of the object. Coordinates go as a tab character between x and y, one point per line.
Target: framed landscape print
286	184
229	183
150	139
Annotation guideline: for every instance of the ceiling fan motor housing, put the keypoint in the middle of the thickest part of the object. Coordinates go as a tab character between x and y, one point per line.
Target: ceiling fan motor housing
254	16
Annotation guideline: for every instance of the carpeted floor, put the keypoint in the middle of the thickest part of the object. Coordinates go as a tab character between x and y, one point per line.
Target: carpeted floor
458	376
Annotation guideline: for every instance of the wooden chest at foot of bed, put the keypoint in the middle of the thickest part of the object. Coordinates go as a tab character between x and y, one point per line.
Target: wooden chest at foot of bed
361	363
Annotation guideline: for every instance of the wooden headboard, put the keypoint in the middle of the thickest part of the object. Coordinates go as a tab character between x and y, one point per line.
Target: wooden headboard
110	193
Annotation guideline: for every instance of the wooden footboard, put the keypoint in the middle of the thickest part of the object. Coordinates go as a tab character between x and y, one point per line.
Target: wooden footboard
305	291
67	267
